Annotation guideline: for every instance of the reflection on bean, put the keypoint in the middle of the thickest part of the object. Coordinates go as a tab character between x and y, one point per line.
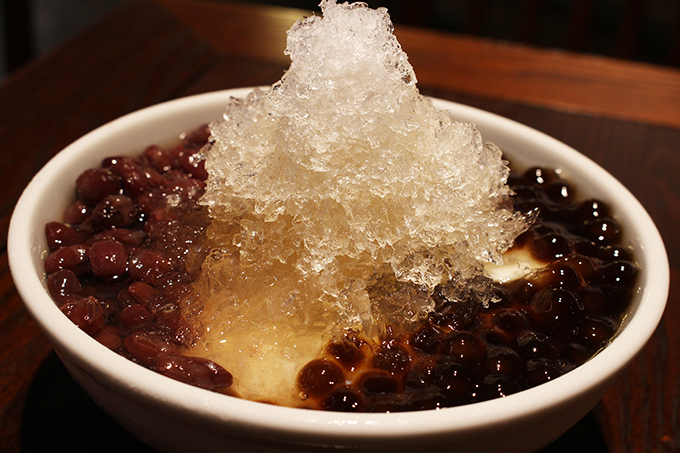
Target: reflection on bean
195	371
119	263
86	313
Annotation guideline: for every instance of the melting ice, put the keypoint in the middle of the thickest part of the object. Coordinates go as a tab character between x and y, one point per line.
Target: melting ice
340	198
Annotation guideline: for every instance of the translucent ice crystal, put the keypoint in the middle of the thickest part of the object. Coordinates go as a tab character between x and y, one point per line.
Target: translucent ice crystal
341	175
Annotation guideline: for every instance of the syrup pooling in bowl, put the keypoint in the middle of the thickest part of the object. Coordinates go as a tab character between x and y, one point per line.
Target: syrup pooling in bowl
125	258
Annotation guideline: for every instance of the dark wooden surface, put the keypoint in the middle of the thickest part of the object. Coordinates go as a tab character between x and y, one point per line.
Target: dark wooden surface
625	116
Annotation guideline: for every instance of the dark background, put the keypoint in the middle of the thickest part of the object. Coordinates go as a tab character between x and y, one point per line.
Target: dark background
642	30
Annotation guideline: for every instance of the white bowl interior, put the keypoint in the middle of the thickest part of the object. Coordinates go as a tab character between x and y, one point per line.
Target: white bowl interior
52	190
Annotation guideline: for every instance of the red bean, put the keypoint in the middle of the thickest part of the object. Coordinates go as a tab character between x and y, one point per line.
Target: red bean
86	313
115	211
194	166
69	257
117	204
148	266
197	137
189	188
110	336
95	184
195	371
77	213
110	307
157	224
110	161
135	179
129	237
146	295
135	315
108	258
64	285
124	298
152	200
158	157
146	347
176	151
170	315
61	235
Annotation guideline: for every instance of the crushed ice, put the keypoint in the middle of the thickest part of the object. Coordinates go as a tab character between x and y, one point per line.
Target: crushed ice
341	176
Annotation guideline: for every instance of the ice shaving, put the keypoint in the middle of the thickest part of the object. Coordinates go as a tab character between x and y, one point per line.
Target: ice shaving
340	198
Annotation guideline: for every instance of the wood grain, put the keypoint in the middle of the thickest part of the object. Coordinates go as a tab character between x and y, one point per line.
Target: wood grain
558	80
106	72
625	116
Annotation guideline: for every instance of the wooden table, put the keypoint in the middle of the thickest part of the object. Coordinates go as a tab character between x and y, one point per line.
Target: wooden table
625	116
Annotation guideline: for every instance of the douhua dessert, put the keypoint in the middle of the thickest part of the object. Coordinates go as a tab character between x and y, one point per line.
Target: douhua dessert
335	242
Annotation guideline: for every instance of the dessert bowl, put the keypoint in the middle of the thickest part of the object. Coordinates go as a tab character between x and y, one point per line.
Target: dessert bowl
173	417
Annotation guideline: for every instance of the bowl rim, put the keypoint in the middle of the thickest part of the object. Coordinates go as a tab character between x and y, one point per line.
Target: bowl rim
65	336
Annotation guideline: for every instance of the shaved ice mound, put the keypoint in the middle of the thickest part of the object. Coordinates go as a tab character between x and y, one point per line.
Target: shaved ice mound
340	199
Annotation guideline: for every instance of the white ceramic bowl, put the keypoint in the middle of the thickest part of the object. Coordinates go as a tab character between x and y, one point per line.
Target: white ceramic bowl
174	417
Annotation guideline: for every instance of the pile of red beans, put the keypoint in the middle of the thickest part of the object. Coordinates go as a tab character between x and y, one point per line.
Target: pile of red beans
123	259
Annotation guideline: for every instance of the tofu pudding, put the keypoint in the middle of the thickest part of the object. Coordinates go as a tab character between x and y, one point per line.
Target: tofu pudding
336	243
